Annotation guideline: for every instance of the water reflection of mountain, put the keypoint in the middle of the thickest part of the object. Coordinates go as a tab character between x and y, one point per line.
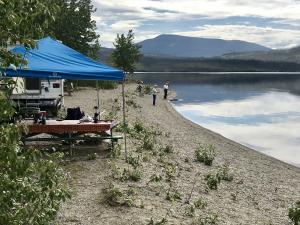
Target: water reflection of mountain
236	86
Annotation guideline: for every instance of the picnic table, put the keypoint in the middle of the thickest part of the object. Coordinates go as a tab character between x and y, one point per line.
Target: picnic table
71	130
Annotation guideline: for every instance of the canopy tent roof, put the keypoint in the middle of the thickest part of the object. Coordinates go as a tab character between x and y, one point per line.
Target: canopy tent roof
52	59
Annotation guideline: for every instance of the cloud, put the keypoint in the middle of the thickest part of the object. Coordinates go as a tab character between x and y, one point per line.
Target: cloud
125	25
216	17
268	36
160	10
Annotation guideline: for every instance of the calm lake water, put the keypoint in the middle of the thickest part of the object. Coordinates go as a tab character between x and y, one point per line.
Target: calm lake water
261	111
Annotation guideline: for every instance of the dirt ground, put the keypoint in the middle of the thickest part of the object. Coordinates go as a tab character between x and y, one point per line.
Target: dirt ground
261	191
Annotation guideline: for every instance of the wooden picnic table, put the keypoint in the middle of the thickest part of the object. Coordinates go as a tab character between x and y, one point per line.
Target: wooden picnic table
70	130
70	126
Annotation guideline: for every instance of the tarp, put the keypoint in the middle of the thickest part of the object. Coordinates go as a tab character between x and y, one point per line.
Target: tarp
52	59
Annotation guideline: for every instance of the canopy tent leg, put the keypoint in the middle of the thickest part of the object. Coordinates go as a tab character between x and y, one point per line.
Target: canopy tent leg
62	93
124	121
98	99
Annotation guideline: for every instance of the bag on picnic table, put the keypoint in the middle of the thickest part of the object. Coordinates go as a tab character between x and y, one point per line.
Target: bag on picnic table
74	114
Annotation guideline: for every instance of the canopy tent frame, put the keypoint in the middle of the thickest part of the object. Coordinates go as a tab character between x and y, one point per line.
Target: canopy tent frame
53	60
124	115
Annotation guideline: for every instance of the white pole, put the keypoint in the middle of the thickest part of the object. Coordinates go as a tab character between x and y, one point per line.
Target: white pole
124	119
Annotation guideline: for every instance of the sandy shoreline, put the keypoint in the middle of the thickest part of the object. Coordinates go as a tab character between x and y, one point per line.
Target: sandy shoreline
262	190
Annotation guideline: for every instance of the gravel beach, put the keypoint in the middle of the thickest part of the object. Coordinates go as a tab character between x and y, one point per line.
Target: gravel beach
261	191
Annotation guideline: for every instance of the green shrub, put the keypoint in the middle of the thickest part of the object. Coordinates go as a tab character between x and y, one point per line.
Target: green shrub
116	171
132	103
168	149
115	152
126	174
112	115
139	130
294	213
133	160
170	171
223	173
146	158
147	89
32	185
205	154
148	142
155	178
200	203
163	221
121	128
136	175
190	210
113	196
206	220
212	181
145	135
173	196
140	127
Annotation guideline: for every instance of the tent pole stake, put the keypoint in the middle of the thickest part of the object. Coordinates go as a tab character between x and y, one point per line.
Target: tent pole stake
124	120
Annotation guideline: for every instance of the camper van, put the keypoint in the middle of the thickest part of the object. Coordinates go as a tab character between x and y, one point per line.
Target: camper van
38	93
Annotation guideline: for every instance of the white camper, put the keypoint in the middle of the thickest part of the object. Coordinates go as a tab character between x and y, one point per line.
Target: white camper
45	94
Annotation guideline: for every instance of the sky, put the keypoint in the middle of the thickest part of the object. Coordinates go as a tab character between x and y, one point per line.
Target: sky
272	23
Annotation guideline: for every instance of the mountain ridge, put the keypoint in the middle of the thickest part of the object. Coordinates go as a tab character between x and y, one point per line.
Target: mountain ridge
168	45
254	61
280	55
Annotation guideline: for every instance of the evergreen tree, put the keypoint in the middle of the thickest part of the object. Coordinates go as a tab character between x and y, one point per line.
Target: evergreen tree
126	53
75	28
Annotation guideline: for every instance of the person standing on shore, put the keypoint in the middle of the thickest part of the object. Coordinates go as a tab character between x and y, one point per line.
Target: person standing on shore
166	88
154	93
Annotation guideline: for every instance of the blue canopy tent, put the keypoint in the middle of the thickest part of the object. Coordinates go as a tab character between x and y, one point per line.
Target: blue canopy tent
52	59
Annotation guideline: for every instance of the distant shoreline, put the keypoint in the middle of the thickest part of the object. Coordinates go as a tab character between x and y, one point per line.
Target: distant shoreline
220	73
